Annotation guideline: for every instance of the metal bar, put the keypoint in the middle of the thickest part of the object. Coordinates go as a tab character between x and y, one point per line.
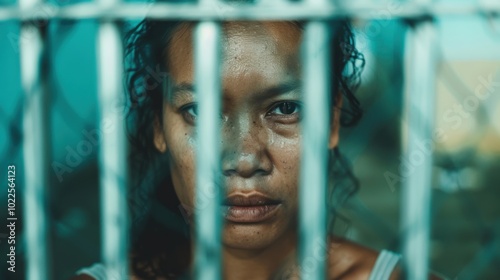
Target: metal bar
315	129
113	151
281	11
36	146
208	193
420	73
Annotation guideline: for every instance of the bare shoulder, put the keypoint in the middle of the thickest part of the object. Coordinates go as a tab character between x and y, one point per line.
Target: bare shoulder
348	260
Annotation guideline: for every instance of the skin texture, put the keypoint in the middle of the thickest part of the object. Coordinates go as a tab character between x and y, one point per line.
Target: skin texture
260	145
260	148
260	136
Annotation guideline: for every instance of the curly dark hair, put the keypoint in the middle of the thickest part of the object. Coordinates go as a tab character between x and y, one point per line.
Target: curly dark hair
160	242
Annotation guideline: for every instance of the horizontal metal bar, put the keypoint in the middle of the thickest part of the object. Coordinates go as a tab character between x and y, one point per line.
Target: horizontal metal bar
221	11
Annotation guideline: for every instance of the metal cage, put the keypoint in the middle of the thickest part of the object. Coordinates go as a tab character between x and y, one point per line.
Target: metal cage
419	109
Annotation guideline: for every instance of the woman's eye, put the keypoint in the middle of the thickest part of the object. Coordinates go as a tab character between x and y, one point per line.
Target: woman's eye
190	112
286	108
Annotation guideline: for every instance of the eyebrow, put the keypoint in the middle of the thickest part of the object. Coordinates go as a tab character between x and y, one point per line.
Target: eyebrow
280	89
178	91
183	87
188	90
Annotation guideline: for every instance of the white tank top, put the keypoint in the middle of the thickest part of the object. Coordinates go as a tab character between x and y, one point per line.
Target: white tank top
384	266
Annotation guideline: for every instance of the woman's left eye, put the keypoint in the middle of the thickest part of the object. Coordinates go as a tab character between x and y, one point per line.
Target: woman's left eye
285	108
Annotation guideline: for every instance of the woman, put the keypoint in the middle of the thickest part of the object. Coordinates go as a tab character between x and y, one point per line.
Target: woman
260	151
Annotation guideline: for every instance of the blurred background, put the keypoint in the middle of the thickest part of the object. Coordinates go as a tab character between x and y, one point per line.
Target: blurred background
465	237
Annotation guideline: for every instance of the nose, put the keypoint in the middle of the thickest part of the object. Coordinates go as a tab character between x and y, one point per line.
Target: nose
244	150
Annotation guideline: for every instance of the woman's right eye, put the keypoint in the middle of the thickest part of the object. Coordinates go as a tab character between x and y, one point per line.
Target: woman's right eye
189	112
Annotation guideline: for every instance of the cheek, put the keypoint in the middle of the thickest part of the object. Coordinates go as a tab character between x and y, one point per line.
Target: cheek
285	152
183	174
181	149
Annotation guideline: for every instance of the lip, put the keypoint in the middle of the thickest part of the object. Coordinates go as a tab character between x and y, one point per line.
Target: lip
249	209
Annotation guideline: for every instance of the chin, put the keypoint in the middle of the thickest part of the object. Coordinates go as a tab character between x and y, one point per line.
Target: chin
248	236
252	236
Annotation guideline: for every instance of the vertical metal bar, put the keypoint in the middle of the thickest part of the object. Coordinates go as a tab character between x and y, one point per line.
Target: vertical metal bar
36	146
313	175
112	155
208	192
419	113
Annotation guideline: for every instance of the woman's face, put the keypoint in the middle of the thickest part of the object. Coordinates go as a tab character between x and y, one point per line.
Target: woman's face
260	129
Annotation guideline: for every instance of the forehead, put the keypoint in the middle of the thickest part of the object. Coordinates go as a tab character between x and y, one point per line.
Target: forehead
250	49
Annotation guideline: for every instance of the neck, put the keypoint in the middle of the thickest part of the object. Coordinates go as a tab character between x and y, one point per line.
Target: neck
266	263
259	264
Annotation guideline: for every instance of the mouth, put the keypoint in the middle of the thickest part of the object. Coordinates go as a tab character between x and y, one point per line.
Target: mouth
249	209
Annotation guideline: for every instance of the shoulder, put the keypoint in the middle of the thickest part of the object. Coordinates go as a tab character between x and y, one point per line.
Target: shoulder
348	260
97	271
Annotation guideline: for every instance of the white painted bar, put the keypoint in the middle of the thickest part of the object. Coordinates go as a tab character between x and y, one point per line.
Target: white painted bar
315	128
285	11
420	73
208	165
36	147
113	150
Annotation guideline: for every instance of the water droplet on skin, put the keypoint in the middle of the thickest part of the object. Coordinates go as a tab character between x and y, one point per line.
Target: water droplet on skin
271	140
